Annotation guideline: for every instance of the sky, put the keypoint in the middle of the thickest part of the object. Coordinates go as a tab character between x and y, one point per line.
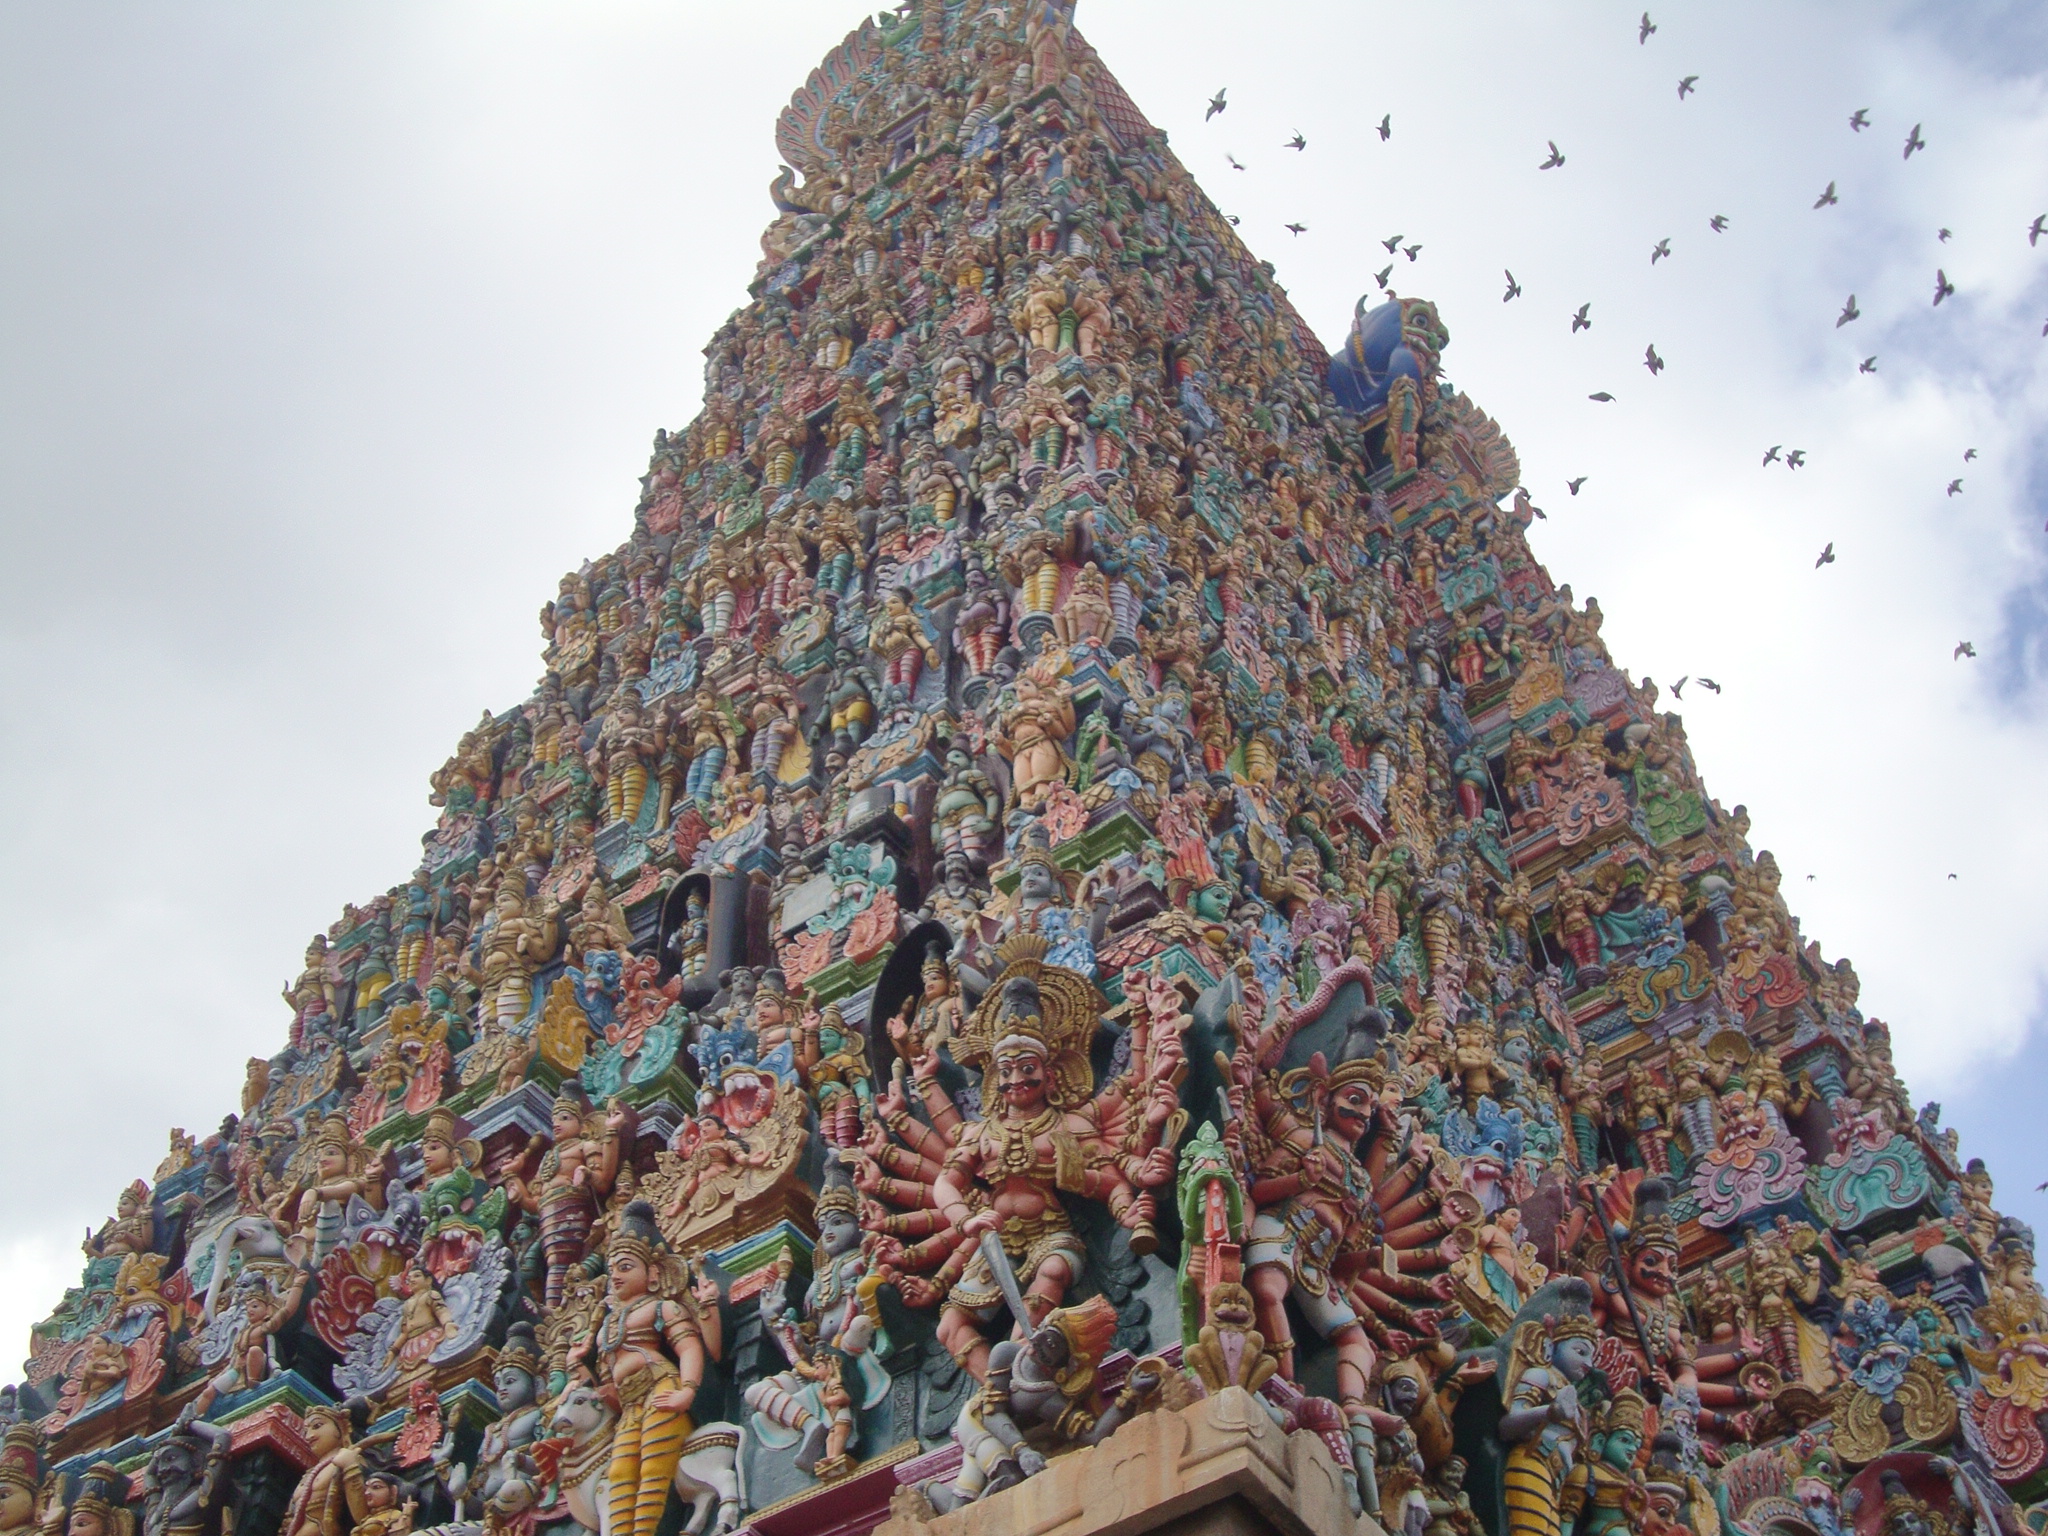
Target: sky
332	335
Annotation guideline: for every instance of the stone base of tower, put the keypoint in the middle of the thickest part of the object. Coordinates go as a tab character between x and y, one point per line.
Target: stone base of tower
1219	1467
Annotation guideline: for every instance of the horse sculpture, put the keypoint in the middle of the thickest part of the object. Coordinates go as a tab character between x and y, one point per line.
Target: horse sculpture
707	1476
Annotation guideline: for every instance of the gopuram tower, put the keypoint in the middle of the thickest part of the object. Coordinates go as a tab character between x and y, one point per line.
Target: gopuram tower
1074	938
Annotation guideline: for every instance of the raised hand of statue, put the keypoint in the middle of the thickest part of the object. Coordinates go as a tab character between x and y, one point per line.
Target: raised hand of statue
1156	1169
980	1222
706	1291
917	1291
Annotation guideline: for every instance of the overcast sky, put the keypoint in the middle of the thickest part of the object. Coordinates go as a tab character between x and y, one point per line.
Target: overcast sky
331	335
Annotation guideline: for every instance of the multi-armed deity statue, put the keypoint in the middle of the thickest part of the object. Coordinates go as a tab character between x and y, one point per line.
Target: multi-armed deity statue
1071	866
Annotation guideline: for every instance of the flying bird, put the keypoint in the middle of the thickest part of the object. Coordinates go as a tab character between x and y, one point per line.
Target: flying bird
1581	323
1302	229
1555	159
1827	556
1660	250
1648	26
1685	86
1412	251
1216	104
1942	235
1383	274
1827	199
1297	142
1795	458
1573	485
1849	312
1386	127
1969	454
1771	457
1393	244
1514	288
1651	360
1233	162
1718	223
1709	683
1812	877
1964	648
1678	688
1868	365
1234	220
2044	1186
1913	142
1955	487
2039	226
1859	120
1603	397
1943	288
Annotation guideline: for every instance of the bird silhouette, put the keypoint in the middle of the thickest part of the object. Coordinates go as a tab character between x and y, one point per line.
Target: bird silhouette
1383	274
1963	648
1969	454
1913	142
1718	223
1651	360
1302	229
1678	688
1813	877
1555	159
1827	556
1771	456
1233	162
1412	251
1386	127
1942	235
2035	232
1234	220
1827	199
1955	486
1573	485
1795	458
1660	250
1943	288
1603	397
1849	312
1216	104
1868	365
1579	321
1393	243
2044	1186
1297	142
1648	26
1685	86
1514	288
1859	120
1709	684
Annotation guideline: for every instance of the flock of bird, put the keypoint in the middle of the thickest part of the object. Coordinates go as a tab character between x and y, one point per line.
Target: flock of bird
1581	320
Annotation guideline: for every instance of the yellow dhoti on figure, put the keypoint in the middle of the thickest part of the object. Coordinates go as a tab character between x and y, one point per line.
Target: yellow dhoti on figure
646	1447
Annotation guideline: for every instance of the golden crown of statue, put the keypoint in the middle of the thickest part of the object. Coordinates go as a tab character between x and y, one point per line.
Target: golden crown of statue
1627	1412
442	1126
836	1198
21	1456
1034	1004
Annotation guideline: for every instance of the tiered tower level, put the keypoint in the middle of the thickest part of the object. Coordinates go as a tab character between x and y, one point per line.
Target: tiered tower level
1074	818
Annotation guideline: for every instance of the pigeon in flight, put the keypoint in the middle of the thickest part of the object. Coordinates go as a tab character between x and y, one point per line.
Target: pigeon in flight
1297	142
1233	162
2044	1186
1383	274
1718	223
1943	288
1859	120
1302	229
1827	556
1849	312
1412	251
1771	457
1386	127
1393	244
1963	649
1942	235
1827	199
1813	877
1573	485
1648	26
2039	227
1678	688
1709	683
1955	487
1514	288
1652	361
1581	323
1868	365
1234	220
1686	85
1913	142
1795	458
1660	250
1555	159
1216	104
1603	397
1969	454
